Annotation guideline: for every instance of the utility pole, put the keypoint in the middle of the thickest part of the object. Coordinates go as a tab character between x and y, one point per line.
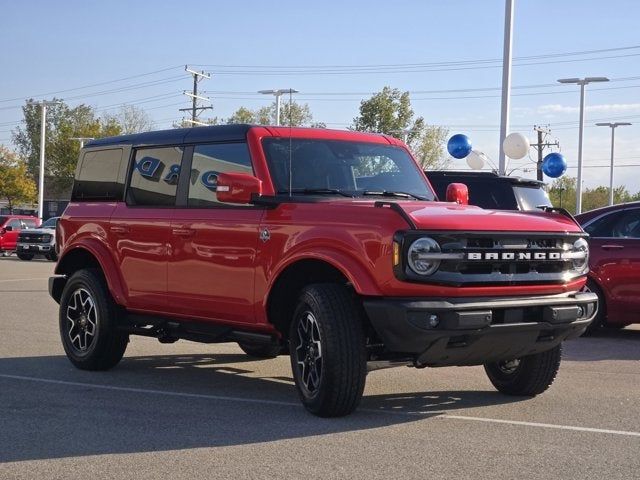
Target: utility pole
43	131
540	146
195	109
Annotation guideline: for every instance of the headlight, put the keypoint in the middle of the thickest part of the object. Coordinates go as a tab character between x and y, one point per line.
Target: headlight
46	238
581	255
420	256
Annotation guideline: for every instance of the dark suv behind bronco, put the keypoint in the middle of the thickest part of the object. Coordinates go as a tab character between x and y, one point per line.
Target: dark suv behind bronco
324	244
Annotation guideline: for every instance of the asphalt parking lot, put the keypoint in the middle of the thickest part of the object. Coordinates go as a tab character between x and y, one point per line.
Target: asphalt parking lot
189	410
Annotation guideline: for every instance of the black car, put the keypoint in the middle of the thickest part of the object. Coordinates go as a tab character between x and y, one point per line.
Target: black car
492	191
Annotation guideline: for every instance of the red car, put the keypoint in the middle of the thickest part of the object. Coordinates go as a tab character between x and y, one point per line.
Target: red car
326	245
615	263
10	226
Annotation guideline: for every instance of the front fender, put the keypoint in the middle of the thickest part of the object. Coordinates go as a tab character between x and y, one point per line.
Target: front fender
73	258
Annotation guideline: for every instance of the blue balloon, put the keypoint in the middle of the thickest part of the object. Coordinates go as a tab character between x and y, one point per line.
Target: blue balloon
459	146
554	165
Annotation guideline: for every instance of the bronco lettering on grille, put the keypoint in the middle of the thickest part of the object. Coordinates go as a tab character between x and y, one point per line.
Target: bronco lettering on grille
516	256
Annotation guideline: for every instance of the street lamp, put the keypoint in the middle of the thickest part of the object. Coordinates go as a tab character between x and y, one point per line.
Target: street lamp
81	140
278	93
43	129
582	82
613	130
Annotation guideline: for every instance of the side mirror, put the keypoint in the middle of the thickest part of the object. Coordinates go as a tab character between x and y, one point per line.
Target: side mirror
237	187
458	193
8	228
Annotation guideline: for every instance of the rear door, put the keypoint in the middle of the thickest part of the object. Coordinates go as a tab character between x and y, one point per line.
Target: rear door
615	260
139	230
213	244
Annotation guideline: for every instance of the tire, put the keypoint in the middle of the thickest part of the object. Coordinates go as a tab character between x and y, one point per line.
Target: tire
88	322
25	256
52	257
327	350
599	320
260	351
528	376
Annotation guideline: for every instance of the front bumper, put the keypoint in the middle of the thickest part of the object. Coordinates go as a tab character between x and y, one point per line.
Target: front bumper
39	248
474	331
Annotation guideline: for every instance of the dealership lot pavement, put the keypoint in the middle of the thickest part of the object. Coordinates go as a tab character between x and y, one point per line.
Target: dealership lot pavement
207	411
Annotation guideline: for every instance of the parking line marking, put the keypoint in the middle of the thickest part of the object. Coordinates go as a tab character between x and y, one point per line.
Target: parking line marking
24	279
541	425
425	414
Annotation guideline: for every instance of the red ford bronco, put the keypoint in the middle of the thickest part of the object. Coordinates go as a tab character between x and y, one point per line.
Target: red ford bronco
327	245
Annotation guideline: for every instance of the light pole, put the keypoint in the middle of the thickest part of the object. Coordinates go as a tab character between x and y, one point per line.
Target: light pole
613	136
43	129
582	82
81	140
506	84
278	93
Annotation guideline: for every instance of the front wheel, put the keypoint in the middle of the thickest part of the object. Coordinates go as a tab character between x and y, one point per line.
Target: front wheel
25	256
88	322
526	376
327	350
52	256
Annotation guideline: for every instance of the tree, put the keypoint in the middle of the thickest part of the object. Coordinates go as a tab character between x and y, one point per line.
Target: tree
562	193
15	184
296	115
131	119
390	112
63	124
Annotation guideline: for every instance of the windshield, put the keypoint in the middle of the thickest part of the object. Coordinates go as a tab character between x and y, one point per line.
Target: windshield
343	167
531	198
51	223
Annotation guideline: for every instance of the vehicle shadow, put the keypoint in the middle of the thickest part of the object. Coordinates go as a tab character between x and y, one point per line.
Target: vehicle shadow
160	403
607	344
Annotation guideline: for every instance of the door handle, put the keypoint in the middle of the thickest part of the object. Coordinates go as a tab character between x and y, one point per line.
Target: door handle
119	229
183	232
612	247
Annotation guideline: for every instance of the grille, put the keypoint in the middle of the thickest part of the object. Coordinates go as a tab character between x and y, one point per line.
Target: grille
25	237
489	265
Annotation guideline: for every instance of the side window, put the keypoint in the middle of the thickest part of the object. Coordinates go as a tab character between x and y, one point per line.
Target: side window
604	227
28	223
629	226
208	161
15	224
154	180
97	176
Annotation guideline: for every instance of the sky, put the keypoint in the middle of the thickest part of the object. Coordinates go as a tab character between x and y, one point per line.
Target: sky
447	54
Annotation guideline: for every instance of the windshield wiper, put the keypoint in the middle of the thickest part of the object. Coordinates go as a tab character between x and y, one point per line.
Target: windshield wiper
387	193
317	191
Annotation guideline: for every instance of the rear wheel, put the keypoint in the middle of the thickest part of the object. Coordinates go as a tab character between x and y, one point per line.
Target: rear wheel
260	351
88	322
327	350
526	376
25	256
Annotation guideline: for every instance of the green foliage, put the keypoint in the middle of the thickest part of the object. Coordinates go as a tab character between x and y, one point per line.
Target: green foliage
63	124
296	115
16	186
562	193
390	112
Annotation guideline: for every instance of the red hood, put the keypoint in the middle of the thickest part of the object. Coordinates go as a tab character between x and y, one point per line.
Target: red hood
447	216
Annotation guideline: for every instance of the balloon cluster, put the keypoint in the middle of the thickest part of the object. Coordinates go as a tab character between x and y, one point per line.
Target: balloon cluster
515	146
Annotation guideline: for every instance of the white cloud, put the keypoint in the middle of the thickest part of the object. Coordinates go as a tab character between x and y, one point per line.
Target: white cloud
603	108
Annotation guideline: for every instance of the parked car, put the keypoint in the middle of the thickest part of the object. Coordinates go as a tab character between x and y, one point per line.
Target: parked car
325	244
614	263
10	226
493	191
38	241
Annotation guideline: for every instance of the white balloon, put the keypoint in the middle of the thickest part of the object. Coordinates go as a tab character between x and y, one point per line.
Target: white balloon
475	160
516	146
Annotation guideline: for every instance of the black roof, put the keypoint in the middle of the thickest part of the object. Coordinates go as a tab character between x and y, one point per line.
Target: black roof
176	136
476	174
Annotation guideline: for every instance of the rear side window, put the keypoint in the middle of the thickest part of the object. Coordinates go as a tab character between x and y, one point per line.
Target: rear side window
154	180
97	178
208	161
